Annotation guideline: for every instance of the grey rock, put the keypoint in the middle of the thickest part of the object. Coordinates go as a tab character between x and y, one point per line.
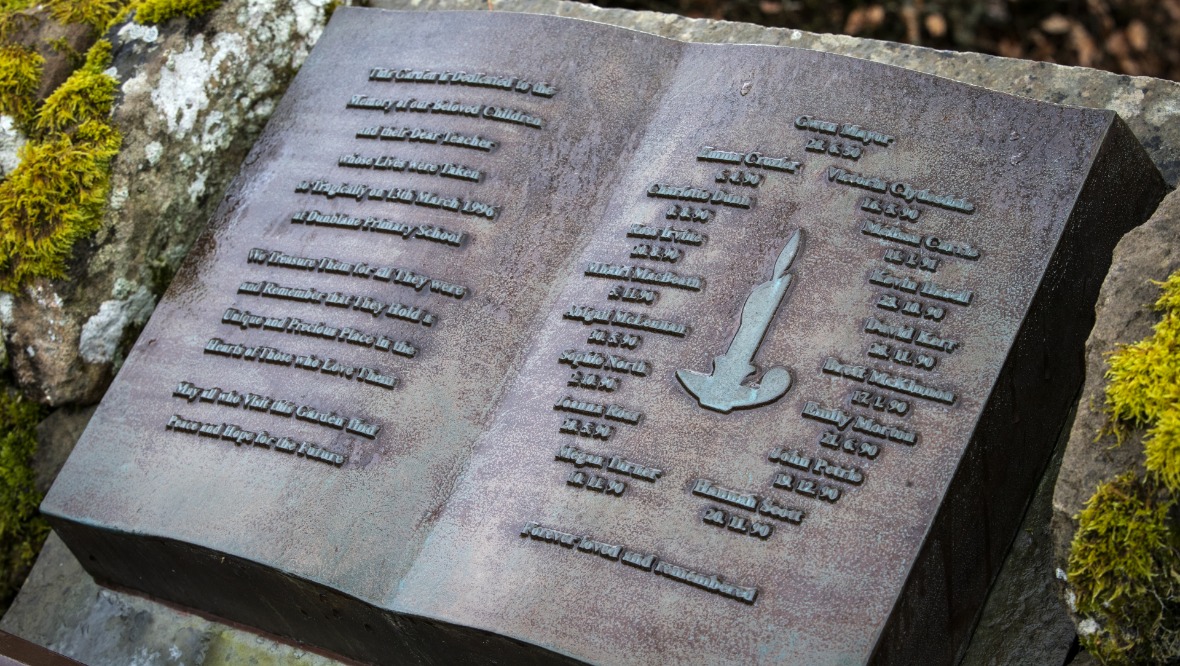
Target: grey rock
1084	658
193	100
36	28
56	436
103	333
1123	315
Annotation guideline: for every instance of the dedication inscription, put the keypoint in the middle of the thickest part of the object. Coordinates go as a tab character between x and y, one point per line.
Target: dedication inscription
609	347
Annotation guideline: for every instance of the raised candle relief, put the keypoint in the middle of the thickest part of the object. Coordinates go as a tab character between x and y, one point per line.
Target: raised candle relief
723	389
521	337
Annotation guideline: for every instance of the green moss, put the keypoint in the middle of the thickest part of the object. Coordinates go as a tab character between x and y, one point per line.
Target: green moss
1124	563
1144	378
1162	449
1144	387
62	46
1170	297
1124	566
87	95
158	11
330	9
9	6
94	13
21	530
57	194
20	75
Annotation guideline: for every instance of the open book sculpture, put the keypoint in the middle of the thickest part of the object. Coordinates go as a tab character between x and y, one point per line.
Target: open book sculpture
435	384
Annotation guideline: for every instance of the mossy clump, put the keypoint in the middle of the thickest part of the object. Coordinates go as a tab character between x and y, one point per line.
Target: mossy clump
86	96
57	194
1124	564
95	13
1125	570
158	11
22	530
1144	387
1144	378
20	75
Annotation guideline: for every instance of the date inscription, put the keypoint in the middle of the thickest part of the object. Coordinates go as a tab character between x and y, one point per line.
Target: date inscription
400	195
736	523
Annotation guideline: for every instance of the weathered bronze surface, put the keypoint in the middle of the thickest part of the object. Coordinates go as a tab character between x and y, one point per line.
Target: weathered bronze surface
610	348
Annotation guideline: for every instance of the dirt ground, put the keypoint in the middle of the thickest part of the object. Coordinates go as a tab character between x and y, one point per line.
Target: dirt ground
1136	37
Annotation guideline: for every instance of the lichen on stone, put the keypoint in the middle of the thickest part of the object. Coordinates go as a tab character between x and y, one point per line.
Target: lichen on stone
102	333
57	193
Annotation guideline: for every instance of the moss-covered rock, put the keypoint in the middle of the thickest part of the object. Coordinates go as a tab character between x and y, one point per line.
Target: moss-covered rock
1120	551
158	11
21	529
1124	569
191	99
1124	563
89	236
57	194
20	74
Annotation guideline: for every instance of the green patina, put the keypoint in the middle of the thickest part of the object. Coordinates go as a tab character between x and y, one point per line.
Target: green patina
1124	563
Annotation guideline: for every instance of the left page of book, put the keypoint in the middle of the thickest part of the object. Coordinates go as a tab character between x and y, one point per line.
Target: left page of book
316	376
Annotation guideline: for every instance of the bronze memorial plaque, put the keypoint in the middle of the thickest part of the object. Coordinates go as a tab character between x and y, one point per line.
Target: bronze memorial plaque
521	337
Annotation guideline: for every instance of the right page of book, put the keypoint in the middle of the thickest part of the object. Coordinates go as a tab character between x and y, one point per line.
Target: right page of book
737	423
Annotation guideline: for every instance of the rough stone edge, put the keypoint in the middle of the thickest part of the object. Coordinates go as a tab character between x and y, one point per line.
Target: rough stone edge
1149	253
